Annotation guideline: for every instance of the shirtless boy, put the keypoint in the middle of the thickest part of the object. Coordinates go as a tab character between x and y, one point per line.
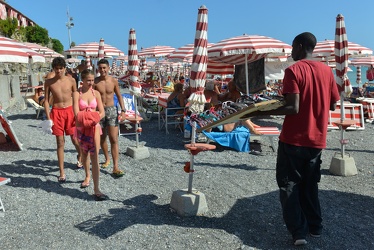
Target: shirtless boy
108	86
61	88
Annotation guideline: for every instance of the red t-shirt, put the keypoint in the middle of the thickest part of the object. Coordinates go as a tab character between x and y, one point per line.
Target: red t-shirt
316	86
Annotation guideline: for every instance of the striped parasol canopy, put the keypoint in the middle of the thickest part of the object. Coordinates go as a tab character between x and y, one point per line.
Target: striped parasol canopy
45	51
363	61
326	49
247	48
155	51
216	68
101	52
123	58
341	56
12	51
133	64
184	53
92	49
199	62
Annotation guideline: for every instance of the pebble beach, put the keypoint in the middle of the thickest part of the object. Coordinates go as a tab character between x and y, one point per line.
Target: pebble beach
240	188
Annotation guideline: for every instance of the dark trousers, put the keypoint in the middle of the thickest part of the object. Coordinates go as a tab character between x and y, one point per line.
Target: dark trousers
298	173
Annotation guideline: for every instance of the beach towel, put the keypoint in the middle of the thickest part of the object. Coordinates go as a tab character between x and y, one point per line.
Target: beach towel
237	139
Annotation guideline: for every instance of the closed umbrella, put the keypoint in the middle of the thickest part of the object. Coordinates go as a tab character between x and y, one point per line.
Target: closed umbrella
199	62
358	79
101	53
245	49
114	67
341	60
88	63
133	67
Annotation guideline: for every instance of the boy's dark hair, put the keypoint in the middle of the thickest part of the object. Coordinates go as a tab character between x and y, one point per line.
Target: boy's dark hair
103	61
58	62
308	40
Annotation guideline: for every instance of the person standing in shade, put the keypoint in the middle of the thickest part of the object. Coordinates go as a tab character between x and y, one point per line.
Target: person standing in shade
309	91
61	87
107	87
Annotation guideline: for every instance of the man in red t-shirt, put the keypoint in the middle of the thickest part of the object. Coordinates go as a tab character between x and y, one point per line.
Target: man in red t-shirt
309	91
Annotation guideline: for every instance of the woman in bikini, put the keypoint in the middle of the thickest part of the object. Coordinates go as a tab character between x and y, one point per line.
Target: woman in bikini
88	110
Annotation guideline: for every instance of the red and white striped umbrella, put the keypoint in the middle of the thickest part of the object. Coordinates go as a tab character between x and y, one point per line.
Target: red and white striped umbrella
216	68
133	64
122	58
88	62
247	48
341	56
143	65
114	67
156	52
101	52
326	49
92	49
12	51
184	53
45	51
199	62
363	61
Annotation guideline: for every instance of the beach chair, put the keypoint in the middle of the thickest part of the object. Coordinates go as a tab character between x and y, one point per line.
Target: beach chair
271	132
167	116
127	126
3	181
38	108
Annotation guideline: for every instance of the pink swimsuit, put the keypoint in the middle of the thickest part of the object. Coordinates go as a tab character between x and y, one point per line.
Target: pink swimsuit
86	139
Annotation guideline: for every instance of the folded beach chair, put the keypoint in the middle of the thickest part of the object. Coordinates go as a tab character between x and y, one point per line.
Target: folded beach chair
38	108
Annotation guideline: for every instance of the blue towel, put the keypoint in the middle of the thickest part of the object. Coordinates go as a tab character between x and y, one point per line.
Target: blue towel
237	139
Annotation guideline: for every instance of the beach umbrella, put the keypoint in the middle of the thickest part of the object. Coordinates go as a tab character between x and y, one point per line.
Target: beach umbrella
155	51
88	62
245	49
101	53
362	61
92	49
12	51
341	60
184	53
114	67
216	68
45	51
199	62
133	64
326	49
133	67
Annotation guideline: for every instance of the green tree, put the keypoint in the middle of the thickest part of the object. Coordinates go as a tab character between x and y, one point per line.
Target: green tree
37	34
8	26
57	46
72	44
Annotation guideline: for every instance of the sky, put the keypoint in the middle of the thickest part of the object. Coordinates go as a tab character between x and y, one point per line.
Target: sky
173	22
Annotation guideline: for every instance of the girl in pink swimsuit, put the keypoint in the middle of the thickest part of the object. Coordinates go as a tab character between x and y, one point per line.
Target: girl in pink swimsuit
88	110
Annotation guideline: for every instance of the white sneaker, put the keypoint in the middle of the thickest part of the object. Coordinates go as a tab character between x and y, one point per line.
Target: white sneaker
300	242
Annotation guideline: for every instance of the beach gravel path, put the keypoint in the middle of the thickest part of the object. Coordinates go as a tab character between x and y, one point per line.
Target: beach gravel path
240	188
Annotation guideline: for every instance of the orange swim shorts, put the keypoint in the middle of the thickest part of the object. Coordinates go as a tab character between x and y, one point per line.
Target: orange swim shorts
63	121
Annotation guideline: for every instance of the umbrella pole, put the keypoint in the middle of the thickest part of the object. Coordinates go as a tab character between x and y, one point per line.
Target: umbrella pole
136	121
190	177
246	75
342	118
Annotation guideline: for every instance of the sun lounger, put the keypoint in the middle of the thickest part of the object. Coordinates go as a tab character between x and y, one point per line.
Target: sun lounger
3	181
270	132
38	108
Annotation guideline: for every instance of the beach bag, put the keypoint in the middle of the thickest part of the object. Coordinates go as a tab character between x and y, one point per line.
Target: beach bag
370	74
